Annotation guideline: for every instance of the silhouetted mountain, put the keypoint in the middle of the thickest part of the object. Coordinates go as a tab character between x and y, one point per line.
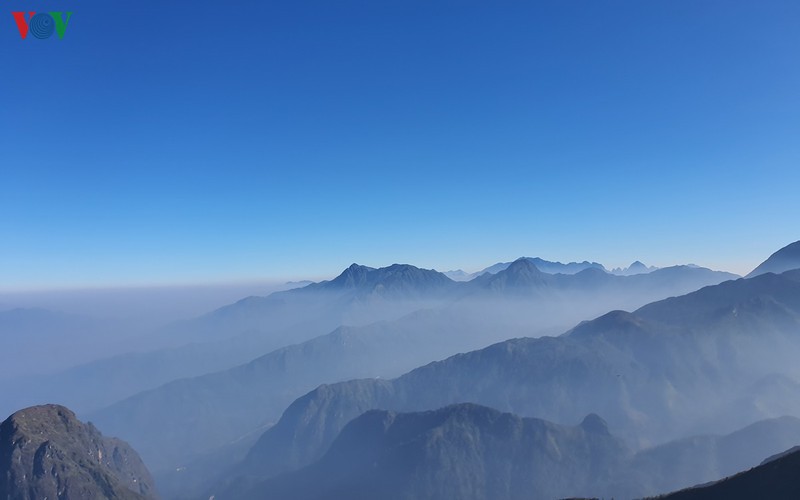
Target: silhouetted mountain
699	459
45	452
785	259
780	455
645	372
459	452
776	479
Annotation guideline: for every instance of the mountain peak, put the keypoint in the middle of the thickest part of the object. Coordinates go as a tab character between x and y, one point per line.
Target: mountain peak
46	452
785	259
594	424
38	419
396	278
357	268
352	276
523	265
521	273
614	322
636	267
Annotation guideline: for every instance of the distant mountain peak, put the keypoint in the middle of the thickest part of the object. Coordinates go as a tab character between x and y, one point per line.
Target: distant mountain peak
521	272
594	424
396	278
523	264
354	275
357	268
636	267
785	259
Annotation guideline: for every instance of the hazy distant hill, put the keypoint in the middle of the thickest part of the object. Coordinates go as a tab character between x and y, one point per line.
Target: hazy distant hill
45	452
785	259
54	339
644	372
459	452
458	275
170	424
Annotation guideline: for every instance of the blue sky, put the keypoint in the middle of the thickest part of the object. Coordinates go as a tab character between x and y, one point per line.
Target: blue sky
187	142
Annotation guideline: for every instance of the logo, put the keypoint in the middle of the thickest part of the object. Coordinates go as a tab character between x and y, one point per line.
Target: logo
42	25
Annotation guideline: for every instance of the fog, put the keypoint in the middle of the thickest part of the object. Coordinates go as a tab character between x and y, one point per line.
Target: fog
116	357
64	328
144	307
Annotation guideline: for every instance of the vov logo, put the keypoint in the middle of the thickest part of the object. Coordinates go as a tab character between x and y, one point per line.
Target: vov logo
41	25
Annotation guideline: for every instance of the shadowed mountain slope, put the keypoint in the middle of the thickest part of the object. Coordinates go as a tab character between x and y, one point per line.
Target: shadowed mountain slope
785	259
458	452
776	479
468	451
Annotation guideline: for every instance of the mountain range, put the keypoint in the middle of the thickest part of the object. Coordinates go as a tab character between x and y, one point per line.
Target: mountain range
401	415
543	265
171	424
551	267
643	371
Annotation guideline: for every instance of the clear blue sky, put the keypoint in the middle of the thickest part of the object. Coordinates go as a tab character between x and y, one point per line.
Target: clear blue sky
182	142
